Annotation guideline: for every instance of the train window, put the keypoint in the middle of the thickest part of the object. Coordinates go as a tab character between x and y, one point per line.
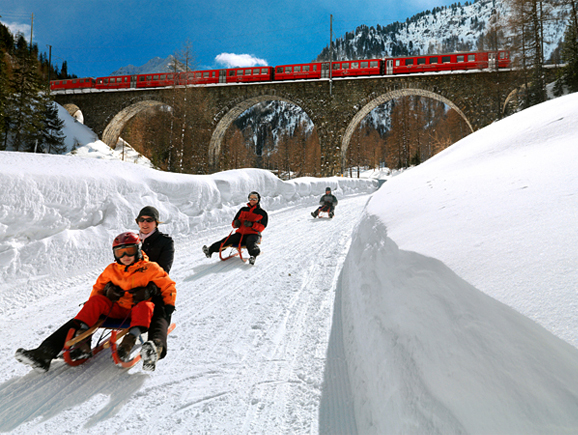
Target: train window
409	62
279	69
397	62
263	70
460	58
141	79
502	55
240	72
305	67
288	69
314	67
297	68
433	60
156	77
74	81
336	66
446	59
345	65
471	57
206	75
247	72
364	64
373	64
354	65
256	71
149	78
421	61
231	73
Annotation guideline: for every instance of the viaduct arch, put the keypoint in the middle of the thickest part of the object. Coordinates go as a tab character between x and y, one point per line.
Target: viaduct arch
335	108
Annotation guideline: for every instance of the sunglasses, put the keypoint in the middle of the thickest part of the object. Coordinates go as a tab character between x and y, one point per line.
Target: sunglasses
121	251
149	220
253	198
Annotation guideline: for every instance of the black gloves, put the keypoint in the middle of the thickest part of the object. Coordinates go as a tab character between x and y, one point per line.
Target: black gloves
140	294
236	223
248	223
113	292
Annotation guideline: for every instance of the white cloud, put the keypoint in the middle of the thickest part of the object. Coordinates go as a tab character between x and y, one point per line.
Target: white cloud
231	60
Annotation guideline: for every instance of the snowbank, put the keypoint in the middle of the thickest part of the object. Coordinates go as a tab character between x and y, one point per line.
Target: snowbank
428	350
51	205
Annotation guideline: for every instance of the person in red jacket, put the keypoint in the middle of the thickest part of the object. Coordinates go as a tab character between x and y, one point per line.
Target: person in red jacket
122	291
249	222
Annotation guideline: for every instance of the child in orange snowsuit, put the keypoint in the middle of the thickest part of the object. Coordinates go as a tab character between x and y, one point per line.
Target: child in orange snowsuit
124	290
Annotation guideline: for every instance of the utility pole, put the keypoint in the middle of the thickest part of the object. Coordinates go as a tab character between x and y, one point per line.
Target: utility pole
31	27
49	62
330	54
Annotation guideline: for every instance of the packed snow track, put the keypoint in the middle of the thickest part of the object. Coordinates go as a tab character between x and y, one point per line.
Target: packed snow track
248	355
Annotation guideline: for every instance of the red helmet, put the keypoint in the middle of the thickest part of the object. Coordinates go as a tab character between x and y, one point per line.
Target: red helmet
125	240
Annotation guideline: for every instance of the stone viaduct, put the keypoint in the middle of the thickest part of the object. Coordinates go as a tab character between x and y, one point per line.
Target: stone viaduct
335	107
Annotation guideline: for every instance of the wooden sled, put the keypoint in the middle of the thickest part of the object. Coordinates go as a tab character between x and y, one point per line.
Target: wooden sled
114	329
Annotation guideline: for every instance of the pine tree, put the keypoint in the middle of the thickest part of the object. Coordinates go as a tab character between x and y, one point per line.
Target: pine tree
569	52
4	93
26	107
52	136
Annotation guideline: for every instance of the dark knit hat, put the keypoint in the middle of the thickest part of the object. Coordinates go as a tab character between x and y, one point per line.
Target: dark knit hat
255	193
149	211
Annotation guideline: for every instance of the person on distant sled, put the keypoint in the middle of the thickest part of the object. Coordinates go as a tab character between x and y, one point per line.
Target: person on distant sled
249	222
327	204
122	291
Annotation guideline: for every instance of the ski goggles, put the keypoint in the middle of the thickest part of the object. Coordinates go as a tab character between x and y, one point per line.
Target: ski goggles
121	251
149	220
253	198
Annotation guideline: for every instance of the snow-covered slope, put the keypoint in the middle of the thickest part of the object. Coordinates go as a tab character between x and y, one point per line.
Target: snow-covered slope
428	349
445	304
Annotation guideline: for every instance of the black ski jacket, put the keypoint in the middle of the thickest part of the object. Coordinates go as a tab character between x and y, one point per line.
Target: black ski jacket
160	248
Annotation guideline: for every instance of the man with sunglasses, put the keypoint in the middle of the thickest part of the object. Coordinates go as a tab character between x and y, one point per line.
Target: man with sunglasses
249	222
122	291
160	248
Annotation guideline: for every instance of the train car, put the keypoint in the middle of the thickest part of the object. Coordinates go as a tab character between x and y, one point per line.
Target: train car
205	77
316	70
116	82
355	68
155	80
246	75
84	83
447	62
301	71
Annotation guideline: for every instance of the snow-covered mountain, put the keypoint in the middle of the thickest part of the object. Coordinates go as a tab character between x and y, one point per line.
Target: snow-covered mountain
155	65
441	30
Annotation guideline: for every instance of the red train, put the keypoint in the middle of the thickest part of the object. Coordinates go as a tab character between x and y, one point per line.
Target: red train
315	70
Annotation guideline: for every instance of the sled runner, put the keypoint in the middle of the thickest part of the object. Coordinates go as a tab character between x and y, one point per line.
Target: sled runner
234	249
112	331
324	212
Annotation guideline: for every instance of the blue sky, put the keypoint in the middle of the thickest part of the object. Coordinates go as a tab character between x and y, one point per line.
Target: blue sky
98	37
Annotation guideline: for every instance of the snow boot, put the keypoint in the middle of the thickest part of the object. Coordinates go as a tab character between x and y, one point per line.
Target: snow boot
252	259
150	353
39	359
313	214
331	214
206	251
123	349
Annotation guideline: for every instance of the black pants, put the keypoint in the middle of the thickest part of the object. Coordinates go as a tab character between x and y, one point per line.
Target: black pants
55	341
249	240
159	326
325	207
